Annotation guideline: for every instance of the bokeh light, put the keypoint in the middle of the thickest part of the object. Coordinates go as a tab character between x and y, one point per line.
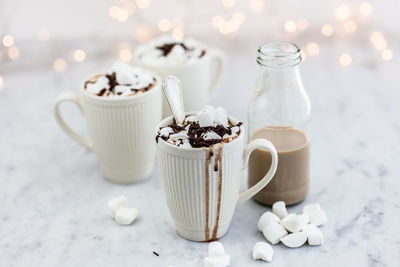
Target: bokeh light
142	4
178	34
125	54
164	25
366	9
43	35
79	55
290	26
302	24
327	30
342	12
59	65
228	3
345	59
256	5
13	53
8	40
350	26
387	54
312	49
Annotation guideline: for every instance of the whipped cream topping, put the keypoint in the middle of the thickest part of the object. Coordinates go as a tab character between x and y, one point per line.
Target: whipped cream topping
206	128
121	80
165	50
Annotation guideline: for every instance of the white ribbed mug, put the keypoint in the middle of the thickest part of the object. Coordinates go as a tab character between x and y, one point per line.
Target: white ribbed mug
198	80
120	130
202	196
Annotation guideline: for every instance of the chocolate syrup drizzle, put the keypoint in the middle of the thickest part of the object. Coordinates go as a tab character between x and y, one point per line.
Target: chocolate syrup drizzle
112	82
167	48
196	132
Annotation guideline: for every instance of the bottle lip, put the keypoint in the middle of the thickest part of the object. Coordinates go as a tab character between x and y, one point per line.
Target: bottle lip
278	55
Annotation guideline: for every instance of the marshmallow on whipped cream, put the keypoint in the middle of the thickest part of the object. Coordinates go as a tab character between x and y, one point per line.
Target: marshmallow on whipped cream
165	51
120	81
204	129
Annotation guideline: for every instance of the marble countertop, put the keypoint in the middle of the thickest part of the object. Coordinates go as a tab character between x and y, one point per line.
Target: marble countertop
53	196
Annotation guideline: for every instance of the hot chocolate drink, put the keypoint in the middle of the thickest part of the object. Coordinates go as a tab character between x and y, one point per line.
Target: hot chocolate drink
121	81
291	180
165	50
196	132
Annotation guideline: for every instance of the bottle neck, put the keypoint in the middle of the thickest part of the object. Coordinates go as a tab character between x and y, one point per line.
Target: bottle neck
279	79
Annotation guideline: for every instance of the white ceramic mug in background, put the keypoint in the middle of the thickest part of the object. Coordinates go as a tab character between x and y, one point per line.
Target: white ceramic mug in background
198	80
202	196
120	130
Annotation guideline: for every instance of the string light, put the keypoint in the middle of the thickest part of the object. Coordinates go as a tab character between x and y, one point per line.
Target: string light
178	34
114	11
13	53
345	59
1	83
302	24
387	54
312	49
8	40
238	17
43	35
380	43
366	9
123	15
228	3
164	25
327	30
256	5
350	26
59	65
79	55
125	54
342	12
375	36
217	20
142	4
290	26
303	55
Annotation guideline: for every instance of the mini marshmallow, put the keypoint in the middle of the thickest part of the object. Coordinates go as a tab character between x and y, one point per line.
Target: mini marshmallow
311	207
166	131
308	227
267	218
206	118
318	217
279	209
191	118
235	129
185	144
263	251
221	117
182	135
315	237
125	216
125	77
177	50
273	232
291	223
211	135
100	84
294	240
210	109
303	219
217	261
115	203
216	249
122	89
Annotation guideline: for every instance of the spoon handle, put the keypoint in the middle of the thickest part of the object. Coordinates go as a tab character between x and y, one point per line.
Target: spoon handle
173	93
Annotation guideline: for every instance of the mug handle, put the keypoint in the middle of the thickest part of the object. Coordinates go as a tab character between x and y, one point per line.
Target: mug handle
253	145
77	99
220	57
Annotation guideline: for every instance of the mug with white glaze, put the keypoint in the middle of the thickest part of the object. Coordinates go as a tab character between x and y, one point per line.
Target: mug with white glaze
198	77
120	130
201	185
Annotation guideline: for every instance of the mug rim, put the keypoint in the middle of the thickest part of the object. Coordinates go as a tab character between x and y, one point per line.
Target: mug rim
164	123
207	55
157	87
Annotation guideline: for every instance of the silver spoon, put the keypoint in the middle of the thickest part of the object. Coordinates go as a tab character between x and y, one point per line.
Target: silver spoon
173	93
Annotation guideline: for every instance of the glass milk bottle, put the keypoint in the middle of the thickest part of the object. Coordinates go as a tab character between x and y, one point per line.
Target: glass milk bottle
279	110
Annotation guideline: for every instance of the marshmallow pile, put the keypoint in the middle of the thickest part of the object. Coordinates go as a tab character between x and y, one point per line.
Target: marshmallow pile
216	256
209	118
120	81
293	230
165	50
120	212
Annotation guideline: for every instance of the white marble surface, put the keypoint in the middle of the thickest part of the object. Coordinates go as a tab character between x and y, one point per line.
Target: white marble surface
53	196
